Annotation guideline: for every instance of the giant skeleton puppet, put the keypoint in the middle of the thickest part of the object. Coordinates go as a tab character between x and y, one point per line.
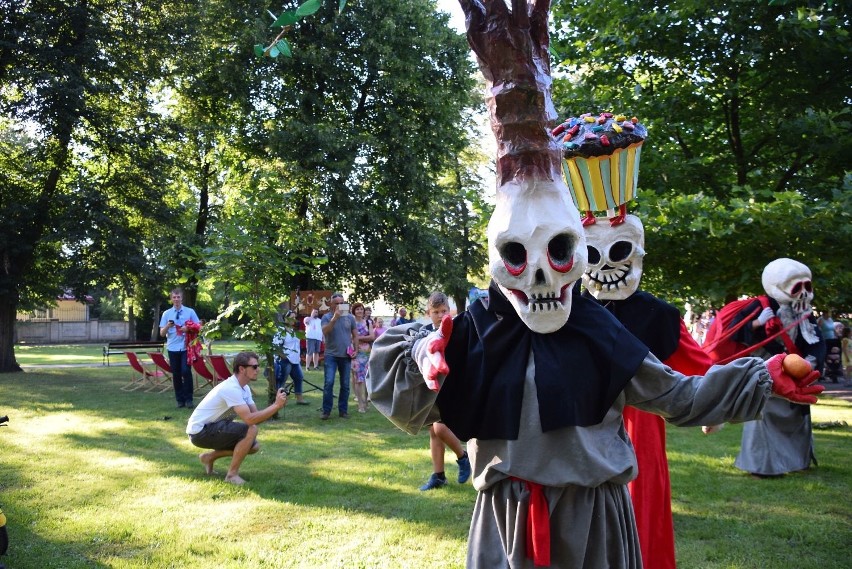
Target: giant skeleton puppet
612	277
536	378
781	440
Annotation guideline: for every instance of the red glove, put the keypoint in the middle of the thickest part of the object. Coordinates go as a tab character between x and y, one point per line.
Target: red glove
773	326
435	363
793	389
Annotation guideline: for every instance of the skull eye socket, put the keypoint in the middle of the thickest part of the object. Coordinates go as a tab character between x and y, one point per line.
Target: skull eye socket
797	288
620	251
594	255
514	257
560	253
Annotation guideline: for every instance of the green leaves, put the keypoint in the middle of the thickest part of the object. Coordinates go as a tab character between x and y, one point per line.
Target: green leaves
288	18
742	101
308	8
280	46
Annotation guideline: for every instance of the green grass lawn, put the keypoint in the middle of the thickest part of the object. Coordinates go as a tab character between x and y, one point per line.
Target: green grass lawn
59	354
92	476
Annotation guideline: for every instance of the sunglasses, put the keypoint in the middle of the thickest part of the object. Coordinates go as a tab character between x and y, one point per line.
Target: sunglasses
255	366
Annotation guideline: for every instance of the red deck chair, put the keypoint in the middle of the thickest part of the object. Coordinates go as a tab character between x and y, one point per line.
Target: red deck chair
165	382
203	375
140	375
220	367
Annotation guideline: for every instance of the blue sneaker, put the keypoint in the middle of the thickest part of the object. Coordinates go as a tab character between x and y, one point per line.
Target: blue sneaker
434	482
464	468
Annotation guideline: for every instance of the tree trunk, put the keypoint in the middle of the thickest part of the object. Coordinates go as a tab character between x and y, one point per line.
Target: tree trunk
8	313
155	325
131	323
271	392
460	300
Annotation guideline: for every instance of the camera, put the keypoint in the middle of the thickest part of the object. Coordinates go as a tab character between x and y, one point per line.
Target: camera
343	307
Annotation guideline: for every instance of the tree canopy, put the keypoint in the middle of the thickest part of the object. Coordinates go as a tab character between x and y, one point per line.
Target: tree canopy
81	183
133	130
748	153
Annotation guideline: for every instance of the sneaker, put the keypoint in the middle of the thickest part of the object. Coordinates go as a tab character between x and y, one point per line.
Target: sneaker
433	482
324	416
464	468
343	415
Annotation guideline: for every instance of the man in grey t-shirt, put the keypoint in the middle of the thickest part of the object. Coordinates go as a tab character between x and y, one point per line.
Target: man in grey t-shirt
340	334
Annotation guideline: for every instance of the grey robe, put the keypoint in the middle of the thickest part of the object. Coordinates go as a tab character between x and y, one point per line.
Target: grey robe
781	441
584	469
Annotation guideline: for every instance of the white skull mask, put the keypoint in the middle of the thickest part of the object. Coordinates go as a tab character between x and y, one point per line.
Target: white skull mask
536	250
615	258
789	282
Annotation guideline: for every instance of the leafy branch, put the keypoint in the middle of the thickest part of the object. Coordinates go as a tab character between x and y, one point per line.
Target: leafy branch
279	45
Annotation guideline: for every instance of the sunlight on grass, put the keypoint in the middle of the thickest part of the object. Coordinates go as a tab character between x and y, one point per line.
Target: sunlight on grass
99	477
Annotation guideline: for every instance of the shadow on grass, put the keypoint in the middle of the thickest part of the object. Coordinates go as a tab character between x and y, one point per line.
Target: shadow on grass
26	545
310	472
358	465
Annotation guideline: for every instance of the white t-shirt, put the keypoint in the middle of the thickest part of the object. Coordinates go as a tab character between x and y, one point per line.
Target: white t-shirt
313	328
289	343
217	403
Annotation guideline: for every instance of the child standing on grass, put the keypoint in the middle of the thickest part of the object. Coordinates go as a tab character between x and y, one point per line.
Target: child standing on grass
440	436
288	358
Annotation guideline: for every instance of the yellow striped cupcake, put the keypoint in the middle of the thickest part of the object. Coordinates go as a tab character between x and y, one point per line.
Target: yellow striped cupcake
600	161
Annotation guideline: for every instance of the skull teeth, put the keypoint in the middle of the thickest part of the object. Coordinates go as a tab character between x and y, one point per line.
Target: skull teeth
609	280
544	302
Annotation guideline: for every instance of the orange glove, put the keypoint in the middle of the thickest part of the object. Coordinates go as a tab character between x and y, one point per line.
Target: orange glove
793	389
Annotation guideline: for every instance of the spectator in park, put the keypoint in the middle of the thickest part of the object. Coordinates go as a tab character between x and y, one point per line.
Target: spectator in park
339	332
362	355
401	318
846	353
288	357
826	326
313	336
368	316
173	328
208	428
440	436
379	328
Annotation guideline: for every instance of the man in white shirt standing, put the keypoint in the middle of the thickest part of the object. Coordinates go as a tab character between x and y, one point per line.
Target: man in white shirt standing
211	424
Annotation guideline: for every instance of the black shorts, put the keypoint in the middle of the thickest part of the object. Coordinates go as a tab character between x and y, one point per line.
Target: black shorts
220	435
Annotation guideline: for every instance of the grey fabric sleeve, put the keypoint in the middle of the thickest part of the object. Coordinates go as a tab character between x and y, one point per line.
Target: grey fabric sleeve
734	392
396	386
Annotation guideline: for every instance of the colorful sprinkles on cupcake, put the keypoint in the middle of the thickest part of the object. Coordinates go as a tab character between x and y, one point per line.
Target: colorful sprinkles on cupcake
601	162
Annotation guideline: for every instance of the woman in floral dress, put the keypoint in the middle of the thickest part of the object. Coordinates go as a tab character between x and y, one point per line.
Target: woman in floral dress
362	356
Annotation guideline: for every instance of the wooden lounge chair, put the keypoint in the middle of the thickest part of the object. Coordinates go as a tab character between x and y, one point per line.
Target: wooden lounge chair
140	375
203	375
165	382
220	367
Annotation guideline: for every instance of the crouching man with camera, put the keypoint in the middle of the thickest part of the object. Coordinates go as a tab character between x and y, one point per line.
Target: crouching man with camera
211	424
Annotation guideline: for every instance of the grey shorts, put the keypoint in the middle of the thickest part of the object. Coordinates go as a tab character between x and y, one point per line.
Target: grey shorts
220	435
313	346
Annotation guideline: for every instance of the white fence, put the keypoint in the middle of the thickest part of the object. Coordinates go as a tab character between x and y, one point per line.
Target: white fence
55	332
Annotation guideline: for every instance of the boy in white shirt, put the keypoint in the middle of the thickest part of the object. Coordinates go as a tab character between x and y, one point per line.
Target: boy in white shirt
288	357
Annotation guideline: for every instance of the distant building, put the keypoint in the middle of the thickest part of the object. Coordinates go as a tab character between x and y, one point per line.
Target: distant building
66	309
